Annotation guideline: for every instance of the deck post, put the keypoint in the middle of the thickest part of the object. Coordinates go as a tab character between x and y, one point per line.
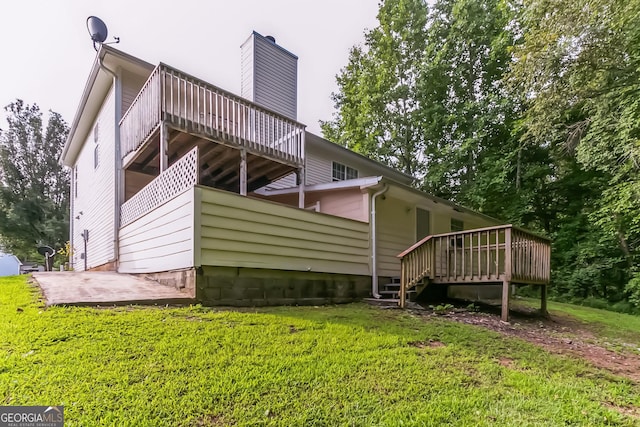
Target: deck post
506	294
243	172
300	179
403	288
543	300
164	146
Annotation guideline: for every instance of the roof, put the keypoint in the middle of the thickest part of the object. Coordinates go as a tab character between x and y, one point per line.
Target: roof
317	141
376	183
99	82
255	33
3	255
96	87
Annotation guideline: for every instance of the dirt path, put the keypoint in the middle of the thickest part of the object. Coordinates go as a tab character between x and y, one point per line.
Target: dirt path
558	334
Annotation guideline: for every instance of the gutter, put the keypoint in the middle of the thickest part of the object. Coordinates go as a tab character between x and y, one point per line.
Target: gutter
374	250
116	178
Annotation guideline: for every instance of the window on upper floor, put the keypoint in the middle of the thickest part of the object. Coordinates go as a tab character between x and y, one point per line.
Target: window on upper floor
456	225
96	149
96	156
75	181
340	172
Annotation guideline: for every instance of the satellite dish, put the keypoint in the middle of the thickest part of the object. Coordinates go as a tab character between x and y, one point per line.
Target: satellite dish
46	251
97	29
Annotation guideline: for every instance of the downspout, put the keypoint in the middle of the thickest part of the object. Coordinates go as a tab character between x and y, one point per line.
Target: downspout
374	249
116	178
71	217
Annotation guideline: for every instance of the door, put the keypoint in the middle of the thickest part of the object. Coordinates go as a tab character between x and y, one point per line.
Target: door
423	220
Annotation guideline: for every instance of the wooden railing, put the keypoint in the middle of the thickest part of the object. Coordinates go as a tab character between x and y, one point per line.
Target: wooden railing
142	118
192	105
478	256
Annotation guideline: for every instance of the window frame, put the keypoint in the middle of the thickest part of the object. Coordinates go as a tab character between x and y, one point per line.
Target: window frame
344	172
456	225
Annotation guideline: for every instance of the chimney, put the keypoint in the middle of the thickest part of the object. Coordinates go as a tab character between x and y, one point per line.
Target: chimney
270	75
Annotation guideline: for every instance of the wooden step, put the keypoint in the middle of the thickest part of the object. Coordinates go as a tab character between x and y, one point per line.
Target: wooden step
385	302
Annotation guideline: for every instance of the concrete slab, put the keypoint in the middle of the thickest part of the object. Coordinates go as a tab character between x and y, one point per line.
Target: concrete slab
105	288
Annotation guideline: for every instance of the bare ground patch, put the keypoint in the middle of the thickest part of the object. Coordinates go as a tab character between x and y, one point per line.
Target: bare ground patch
560	334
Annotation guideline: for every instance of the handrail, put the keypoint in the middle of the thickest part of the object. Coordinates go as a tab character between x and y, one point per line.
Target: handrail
142	117
490	254
414	246
194	106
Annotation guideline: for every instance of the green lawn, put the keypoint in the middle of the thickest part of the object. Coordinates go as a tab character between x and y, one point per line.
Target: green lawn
608	325
336	365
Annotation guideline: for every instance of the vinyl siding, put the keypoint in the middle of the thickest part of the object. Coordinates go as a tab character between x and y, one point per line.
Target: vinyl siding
395	221
269	76
351	203
346	204
237	231
246	67
9	265
286	182
318	169
276	78
161	240
95	202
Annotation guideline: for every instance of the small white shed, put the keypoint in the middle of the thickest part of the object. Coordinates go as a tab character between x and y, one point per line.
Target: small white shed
9	265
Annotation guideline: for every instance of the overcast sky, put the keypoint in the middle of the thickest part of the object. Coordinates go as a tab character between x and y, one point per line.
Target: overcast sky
47	54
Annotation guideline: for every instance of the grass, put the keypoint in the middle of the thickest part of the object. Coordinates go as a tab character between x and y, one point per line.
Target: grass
608	325
289	366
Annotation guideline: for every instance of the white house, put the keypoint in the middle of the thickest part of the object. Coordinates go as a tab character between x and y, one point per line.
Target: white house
230	198
9	265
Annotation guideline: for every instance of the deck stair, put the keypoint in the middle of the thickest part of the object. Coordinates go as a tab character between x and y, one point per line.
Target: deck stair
390	294
502	254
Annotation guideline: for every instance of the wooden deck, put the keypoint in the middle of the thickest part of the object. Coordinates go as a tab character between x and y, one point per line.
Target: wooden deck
241	145
182	102
503	254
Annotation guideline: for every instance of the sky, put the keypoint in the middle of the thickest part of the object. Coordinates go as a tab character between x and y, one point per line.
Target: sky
46	53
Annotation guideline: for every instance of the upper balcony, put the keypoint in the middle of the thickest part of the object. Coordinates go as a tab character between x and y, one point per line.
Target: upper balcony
225	128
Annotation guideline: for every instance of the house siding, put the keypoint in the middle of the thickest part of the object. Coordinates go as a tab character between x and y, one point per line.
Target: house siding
236	231
319	166
351	203
9	265
246	66
161	240
93	208
270	76
318	169
395	225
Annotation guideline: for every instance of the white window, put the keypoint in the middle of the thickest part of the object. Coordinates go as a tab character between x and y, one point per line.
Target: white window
96	150
75	181
96	156
341	172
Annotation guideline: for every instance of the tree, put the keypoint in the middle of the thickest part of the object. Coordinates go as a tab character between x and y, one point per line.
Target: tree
34	199
580	68
468	116
377	102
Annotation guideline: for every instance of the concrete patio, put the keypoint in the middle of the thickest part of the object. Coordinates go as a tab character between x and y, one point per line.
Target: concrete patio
105	288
